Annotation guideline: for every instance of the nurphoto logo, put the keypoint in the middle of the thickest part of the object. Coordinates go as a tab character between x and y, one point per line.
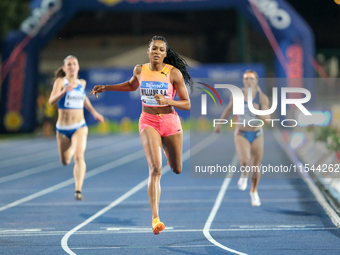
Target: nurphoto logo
239	102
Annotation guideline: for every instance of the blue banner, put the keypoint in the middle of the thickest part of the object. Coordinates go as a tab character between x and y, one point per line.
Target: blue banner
20	49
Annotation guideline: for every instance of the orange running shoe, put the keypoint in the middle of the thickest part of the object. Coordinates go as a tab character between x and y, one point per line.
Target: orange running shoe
157	226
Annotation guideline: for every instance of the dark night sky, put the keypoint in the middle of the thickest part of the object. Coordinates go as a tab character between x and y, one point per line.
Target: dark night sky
323	16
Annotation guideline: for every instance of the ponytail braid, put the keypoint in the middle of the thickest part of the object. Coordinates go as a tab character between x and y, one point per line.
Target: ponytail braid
59	73
172	58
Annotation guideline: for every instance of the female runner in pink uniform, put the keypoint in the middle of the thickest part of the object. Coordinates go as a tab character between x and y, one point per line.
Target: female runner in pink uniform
159	124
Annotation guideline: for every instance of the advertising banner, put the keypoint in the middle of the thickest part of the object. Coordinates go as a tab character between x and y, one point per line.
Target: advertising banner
289	34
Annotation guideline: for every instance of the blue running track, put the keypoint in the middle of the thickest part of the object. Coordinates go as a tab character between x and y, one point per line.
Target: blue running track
38	213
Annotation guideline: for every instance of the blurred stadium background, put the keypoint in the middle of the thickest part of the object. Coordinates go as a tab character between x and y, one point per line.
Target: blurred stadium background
219	39
109	37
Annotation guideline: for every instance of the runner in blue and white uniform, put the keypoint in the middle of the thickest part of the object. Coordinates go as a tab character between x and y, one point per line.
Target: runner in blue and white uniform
69	93
249	140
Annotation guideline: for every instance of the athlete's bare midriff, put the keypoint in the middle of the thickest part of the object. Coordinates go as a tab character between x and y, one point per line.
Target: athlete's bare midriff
253	123
68	117
158	110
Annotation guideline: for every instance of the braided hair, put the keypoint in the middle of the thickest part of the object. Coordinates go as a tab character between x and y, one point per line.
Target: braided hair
172	58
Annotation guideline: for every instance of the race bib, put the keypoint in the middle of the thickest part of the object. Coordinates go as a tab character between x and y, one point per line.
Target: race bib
74	99
248	115
149	89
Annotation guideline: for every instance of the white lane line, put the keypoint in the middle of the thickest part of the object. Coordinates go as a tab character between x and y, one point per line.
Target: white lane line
135	228
109	166
30	171
52	153
198	147
145	202
56	164
172	188
65	238
215	208
21	230
142	231
20	146
139	247
148	230
30	155
17	160
308	180
38	194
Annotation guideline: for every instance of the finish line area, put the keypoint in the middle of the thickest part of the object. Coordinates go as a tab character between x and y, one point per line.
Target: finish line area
39	215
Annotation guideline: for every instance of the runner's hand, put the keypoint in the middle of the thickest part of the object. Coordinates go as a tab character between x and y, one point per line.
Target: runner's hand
67	88
98	117
217	129
98	89
161	100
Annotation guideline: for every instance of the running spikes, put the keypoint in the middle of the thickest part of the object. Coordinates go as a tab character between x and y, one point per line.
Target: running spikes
242	182
255	199
78	195
157	226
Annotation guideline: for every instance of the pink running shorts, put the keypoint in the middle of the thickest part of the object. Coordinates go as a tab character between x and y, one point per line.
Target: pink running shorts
164	124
